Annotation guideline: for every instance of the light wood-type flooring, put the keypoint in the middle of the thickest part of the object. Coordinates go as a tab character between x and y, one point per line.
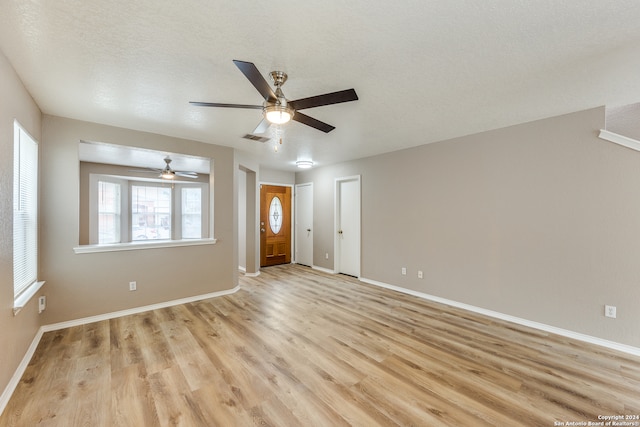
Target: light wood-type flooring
298	347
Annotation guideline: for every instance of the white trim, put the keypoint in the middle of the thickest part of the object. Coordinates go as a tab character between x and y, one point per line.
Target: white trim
276	184
22	300
136	310
324	270
520	321
17	375
634	144
131	246
256	274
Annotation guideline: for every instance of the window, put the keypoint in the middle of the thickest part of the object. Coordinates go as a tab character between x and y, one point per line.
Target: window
150	212
25	211
109	209
127	210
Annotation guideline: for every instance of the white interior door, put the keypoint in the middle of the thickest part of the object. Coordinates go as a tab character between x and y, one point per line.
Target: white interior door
348	226
304	224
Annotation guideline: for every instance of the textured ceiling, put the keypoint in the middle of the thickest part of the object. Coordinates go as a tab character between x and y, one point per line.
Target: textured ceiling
424	70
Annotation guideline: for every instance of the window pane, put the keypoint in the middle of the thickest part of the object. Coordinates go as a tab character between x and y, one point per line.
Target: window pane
275	215
150	213
108	212
191	213
25	210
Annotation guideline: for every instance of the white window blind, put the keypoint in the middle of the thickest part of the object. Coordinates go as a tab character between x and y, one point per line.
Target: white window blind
109	212
25	211
192	213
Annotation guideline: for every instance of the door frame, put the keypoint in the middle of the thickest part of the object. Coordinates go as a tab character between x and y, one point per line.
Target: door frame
251	221
295	220
336	222
277	184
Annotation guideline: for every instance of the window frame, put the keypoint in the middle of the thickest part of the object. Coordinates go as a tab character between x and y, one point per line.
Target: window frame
28	259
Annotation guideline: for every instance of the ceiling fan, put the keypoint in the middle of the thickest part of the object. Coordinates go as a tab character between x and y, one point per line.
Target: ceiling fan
276	108
168	172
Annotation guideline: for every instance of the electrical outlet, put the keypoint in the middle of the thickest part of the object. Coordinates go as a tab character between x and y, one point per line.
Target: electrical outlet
133	286
420	275
326	255
610	311
404	271
42	303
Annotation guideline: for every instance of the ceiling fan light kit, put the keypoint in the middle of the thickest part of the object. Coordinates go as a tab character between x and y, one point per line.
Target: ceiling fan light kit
278	114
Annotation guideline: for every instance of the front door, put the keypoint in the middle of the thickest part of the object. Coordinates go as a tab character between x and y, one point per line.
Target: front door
275	225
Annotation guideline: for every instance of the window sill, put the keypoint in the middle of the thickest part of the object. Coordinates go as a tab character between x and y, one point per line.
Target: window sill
22	300
132	246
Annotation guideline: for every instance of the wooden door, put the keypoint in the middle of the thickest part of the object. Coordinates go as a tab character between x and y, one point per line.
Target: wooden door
275	225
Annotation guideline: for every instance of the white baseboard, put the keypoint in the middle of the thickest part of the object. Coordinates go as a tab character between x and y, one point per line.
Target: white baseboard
324	270
520	321
15	379
136	310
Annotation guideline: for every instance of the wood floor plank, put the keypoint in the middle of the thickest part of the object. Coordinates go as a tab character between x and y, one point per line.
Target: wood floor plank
131	400
168	390
296	346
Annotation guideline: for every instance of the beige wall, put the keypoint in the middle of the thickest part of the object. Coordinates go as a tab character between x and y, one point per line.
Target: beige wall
16	333
272	176
81	285
540	221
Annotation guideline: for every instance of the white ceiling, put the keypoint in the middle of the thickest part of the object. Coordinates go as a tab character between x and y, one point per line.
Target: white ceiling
425	71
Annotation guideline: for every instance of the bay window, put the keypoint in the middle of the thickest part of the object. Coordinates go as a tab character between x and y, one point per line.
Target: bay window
129	210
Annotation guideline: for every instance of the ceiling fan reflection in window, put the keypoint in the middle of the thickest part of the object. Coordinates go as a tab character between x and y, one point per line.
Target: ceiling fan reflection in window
277	109
168	172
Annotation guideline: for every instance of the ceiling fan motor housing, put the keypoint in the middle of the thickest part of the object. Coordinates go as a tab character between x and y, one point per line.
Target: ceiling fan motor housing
278	78
278	112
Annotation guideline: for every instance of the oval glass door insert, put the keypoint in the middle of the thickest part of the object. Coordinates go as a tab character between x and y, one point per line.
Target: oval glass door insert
275	215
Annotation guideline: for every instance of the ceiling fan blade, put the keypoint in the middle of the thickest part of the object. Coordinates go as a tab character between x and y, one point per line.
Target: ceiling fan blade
148	170
326	99
314	123
186	174
251	72
262	127
217	104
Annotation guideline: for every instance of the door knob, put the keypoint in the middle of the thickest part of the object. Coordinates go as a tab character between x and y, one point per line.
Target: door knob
263	230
